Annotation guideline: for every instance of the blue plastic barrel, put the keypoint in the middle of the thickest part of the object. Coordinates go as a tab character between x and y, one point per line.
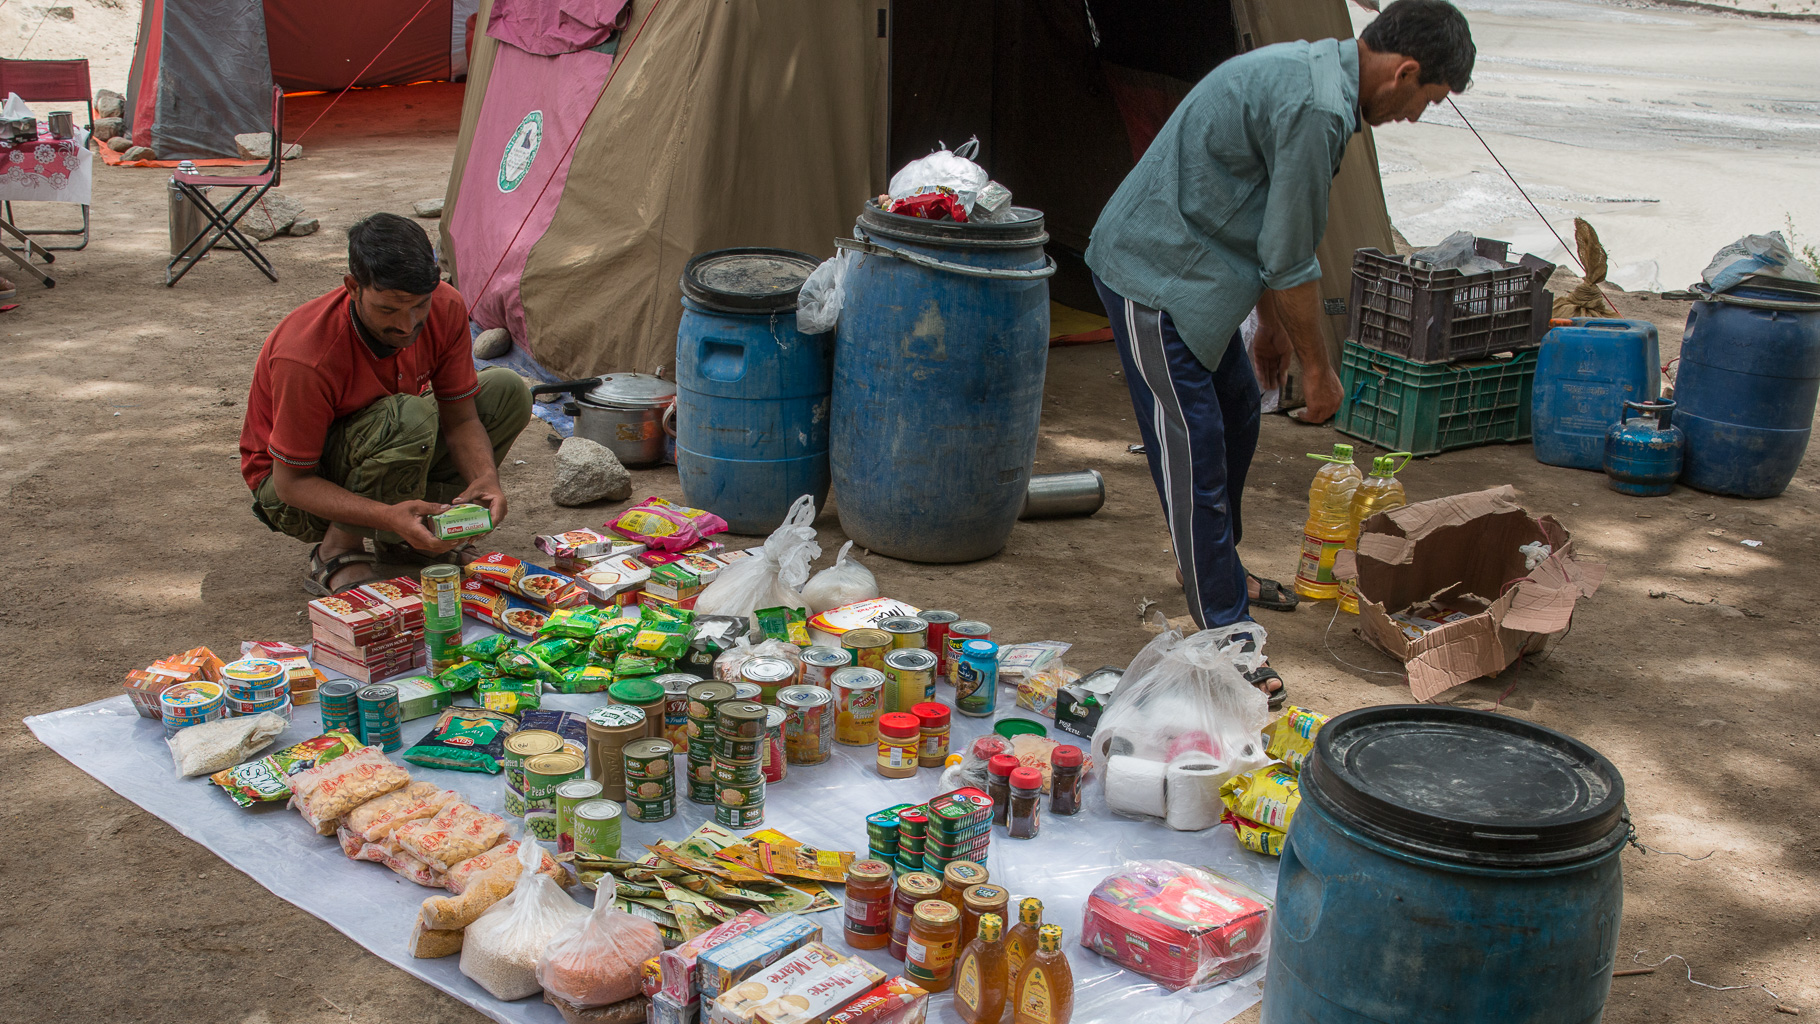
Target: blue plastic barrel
1584	374
1748	378
1445	866
751	391
938	382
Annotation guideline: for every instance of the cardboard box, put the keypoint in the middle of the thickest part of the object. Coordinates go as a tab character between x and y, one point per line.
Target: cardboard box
1079	705
367	614
676	967
800	988
720	968
897	1001
1460	553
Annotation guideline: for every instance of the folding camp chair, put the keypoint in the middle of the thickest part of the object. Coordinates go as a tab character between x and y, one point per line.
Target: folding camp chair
222	219
50	81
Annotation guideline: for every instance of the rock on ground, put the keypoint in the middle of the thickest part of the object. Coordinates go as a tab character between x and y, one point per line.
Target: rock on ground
272	215
109	103
492	343
304	226
120	143
107	128
427	208
588	471
138	153
258	146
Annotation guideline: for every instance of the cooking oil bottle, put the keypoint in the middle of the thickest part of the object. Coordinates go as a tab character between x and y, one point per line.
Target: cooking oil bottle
1380	492
1329	523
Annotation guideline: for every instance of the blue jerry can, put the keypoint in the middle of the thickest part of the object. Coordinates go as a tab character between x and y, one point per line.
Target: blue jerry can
1643	453
1585	372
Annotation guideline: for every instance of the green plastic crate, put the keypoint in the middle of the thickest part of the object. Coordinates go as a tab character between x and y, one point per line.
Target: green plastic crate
1423	408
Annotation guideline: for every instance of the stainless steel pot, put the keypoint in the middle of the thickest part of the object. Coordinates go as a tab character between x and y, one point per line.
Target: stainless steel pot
624	411
1057	495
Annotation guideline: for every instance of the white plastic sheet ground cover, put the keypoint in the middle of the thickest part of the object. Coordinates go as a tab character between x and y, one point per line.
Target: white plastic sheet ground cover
823	805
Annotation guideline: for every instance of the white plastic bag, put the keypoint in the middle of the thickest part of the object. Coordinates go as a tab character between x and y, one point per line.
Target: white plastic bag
500	950
819	302
1767	255
1183	698
771	578
844	582
212	746
942	169
597	959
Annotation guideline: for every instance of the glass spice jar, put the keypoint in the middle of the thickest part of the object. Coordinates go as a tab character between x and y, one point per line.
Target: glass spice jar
998	785
899	734
913	888
1026	803
869	899
932	737
1065	780
929	952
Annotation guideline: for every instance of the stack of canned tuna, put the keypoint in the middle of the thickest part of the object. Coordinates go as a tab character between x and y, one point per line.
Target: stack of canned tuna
705	700
188	704
255	686
650	780
739	780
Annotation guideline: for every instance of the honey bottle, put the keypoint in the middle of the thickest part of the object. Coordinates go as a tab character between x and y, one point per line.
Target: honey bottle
982	977
1044	991
1020	942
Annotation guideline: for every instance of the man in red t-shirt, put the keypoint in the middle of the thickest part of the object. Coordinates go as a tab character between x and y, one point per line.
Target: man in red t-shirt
366	414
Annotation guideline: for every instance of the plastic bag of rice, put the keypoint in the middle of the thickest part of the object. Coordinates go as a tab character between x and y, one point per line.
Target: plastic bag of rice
500	950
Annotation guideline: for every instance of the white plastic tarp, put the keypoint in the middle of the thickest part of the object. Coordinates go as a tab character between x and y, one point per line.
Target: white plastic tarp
822	805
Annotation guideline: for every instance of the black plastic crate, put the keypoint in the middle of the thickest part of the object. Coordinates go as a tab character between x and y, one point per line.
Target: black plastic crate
1442	316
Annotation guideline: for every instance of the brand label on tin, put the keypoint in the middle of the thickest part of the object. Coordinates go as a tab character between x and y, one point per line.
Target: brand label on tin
616	716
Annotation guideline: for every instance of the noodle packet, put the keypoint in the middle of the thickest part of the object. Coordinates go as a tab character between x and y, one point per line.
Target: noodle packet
786	624
665	639
1291	738
632	664
268	778
580	623
665	526
488	648
557	648
461	676
1268	796
589	678
510	694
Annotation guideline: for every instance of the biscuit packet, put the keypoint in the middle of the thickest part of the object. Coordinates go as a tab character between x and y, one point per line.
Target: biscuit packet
1268	796
269	777
464	740
1291	738
325	793
666	526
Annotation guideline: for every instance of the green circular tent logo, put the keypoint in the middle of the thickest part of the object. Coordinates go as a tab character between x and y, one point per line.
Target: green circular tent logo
521	149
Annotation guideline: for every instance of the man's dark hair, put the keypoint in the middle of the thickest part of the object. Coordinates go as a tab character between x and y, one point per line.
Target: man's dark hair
393	254
1433	33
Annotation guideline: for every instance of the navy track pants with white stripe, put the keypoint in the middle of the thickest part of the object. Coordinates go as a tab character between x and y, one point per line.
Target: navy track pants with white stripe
1200	430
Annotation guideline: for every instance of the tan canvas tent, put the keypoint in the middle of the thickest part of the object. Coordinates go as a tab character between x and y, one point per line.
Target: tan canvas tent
738	122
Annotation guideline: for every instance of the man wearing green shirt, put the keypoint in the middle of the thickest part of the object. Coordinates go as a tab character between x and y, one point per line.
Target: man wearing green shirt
1223	214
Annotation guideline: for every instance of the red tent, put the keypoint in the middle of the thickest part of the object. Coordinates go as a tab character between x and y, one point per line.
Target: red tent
203	69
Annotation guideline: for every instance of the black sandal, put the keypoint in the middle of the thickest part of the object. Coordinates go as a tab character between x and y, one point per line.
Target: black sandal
322	572
1273	596
1260	677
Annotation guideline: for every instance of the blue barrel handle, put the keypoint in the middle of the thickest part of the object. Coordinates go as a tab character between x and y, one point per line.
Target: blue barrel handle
930	263
1707	294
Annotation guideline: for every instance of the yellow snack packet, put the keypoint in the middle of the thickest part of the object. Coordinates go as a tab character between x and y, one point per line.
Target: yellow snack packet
1258	838
1267	795
1290	739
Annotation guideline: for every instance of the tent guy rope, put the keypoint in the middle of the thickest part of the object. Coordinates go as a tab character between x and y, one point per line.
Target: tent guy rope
362	71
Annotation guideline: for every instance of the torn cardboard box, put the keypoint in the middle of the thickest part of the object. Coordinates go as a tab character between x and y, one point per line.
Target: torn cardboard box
1444	588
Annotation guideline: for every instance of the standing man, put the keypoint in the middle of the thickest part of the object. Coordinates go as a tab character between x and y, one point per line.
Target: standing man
1223	213
366	414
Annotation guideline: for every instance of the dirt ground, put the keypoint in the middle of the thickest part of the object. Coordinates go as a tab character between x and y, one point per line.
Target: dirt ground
128	534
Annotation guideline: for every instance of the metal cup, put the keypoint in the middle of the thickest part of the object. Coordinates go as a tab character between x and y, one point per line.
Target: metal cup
63	124
1055	495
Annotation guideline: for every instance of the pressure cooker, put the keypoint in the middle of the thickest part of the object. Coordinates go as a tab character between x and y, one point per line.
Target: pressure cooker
624	411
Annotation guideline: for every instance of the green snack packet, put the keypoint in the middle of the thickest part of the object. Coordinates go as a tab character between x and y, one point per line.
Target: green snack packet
544	672
786	624
464	740
579	623
651	613
269	778
510	694
555	649
517	663
632	664
488	648
664	639
585	679
462	676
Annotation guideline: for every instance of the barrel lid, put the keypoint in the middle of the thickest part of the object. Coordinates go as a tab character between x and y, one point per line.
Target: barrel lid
1024	227
747	280
1467	786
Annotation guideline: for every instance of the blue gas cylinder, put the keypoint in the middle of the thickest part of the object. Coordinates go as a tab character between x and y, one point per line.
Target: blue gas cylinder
1585	372
1445	866
751	390
1643	452
1748	379
938	382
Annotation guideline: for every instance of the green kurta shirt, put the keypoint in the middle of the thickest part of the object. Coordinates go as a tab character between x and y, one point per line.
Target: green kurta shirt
1231	197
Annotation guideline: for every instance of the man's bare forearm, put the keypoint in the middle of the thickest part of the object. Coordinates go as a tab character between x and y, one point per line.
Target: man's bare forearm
1297	313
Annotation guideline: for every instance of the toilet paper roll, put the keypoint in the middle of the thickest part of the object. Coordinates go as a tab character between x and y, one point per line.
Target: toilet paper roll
1135	785
1192	788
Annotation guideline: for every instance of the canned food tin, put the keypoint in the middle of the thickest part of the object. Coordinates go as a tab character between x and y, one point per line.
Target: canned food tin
700	771
701	792
440	588
676	706
545	773
597	828
858	699
738	773
646	695
337	698
705	697
959	633
976	679
515	803
868	647
379	716
540	822
741	719
610	728
651	789
650	759
747	691
909	678
737	748
727	795
912	824
186	703
522	745
661	809
809	727
442	648
769	675
820	663
749	816
251	674
906	631
773	758
937	637
569	796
